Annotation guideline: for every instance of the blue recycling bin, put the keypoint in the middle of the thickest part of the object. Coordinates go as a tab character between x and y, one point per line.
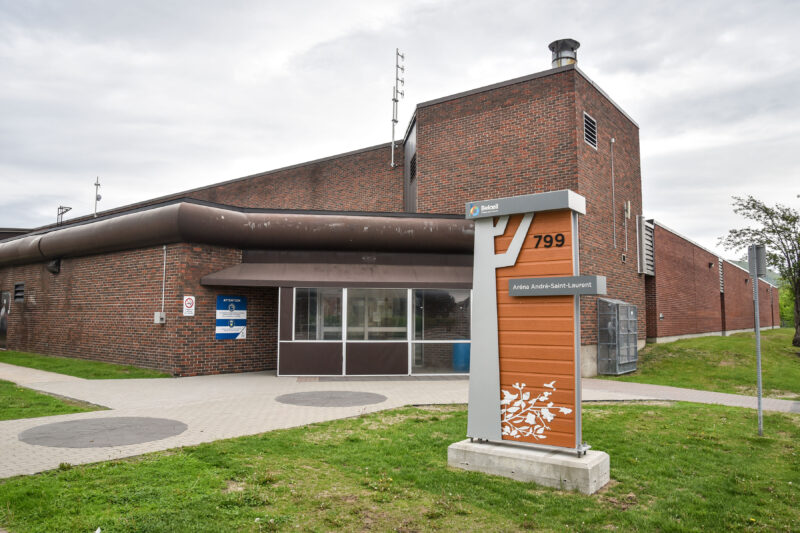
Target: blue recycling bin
461	357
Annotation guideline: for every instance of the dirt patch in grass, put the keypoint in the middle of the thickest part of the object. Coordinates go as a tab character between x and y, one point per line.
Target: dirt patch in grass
442	408
234	486
752	390
622	503
607	487
321	437
433	414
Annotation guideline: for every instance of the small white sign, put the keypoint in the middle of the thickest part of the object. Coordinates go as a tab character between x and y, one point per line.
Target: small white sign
188	305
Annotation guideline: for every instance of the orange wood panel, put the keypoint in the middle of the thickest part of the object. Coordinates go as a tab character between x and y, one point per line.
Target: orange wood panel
536	338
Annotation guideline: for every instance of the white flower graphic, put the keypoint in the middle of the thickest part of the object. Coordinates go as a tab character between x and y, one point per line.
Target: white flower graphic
519	415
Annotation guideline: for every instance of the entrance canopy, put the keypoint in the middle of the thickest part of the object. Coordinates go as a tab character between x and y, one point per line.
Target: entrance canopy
342	275
316	268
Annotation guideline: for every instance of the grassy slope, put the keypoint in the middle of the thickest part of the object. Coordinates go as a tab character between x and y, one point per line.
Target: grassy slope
723	364
679	467
81	368
18	402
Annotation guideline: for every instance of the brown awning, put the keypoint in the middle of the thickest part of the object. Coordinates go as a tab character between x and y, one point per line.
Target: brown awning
341	275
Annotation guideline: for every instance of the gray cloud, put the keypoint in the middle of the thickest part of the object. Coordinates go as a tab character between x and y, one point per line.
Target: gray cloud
157	97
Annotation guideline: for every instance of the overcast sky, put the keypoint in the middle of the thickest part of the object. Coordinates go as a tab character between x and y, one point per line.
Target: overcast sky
155	97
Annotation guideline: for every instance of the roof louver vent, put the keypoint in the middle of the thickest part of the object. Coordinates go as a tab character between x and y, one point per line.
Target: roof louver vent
590	131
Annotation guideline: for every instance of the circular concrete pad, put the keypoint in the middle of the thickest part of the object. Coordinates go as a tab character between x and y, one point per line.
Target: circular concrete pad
331	398
102	432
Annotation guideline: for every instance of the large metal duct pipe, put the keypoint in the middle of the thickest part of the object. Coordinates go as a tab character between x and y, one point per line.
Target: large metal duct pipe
202	224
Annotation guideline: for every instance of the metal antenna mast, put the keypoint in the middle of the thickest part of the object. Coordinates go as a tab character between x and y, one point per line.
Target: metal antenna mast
97	196
62	209
397	93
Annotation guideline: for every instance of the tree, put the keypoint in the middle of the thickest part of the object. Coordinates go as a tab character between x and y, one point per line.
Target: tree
786	302
778	228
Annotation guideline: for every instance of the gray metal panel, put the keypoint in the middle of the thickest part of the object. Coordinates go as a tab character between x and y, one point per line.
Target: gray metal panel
529	203
561	285
617	336
646	246
509	257
576	270
483	421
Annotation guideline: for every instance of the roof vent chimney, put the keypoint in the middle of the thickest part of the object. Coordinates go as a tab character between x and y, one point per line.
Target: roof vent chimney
564	52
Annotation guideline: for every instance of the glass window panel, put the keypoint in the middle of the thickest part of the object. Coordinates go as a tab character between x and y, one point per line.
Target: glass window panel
318	314
441	314
440	358
377	314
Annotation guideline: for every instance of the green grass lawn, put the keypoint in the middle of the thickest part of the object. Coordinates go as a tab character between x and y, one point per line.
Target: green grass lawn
674	467
80	368
723	364
19	402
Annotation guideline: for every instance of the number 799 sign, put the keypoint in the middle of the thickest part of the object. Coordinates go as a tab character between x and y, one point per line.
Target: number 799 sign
548	241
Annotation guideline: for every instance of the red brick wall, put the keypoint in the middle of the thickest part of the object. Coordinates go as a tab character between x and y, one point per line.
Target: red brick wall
738	298
512	140
101	307
598	255
360	181
686	288
527	138
768	311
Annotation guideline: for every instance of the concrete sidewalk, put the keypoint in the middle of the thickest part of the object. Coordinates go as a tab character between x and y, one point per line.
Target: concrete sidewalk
233	405
599	387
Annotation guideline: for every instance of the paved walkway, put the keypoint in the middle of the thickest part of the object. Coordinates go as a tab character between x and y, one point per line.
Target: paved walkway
232	405
599	387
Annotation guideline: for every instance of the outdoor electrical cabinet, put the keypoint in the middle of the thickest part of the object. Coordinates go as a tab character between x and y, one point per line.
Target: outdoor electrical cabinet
617	335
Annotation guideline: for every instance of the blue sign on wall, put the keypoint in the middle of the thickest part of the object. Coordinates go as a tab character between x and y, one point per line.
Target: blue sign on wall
231	317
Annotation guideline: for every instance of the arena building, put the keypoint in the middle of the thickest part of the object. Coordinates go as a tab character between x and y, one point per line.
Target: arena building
350	266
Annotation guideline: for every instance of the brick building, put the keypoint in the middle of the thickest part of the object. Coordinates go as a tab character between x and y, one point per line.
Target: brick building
694	292
350	266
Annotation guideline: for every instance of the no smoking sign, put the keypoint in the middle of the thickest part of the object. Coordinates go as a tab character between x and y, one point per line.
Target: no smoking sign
188	305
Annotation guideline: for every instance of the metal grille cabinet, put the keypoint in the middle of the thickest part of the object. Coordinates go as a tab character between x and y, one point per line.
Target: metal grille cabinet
617	335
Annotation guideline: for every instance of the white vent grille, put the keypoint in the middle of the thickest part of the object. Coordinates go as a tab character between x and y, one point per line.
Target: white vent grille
721	277
645	232
590	131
